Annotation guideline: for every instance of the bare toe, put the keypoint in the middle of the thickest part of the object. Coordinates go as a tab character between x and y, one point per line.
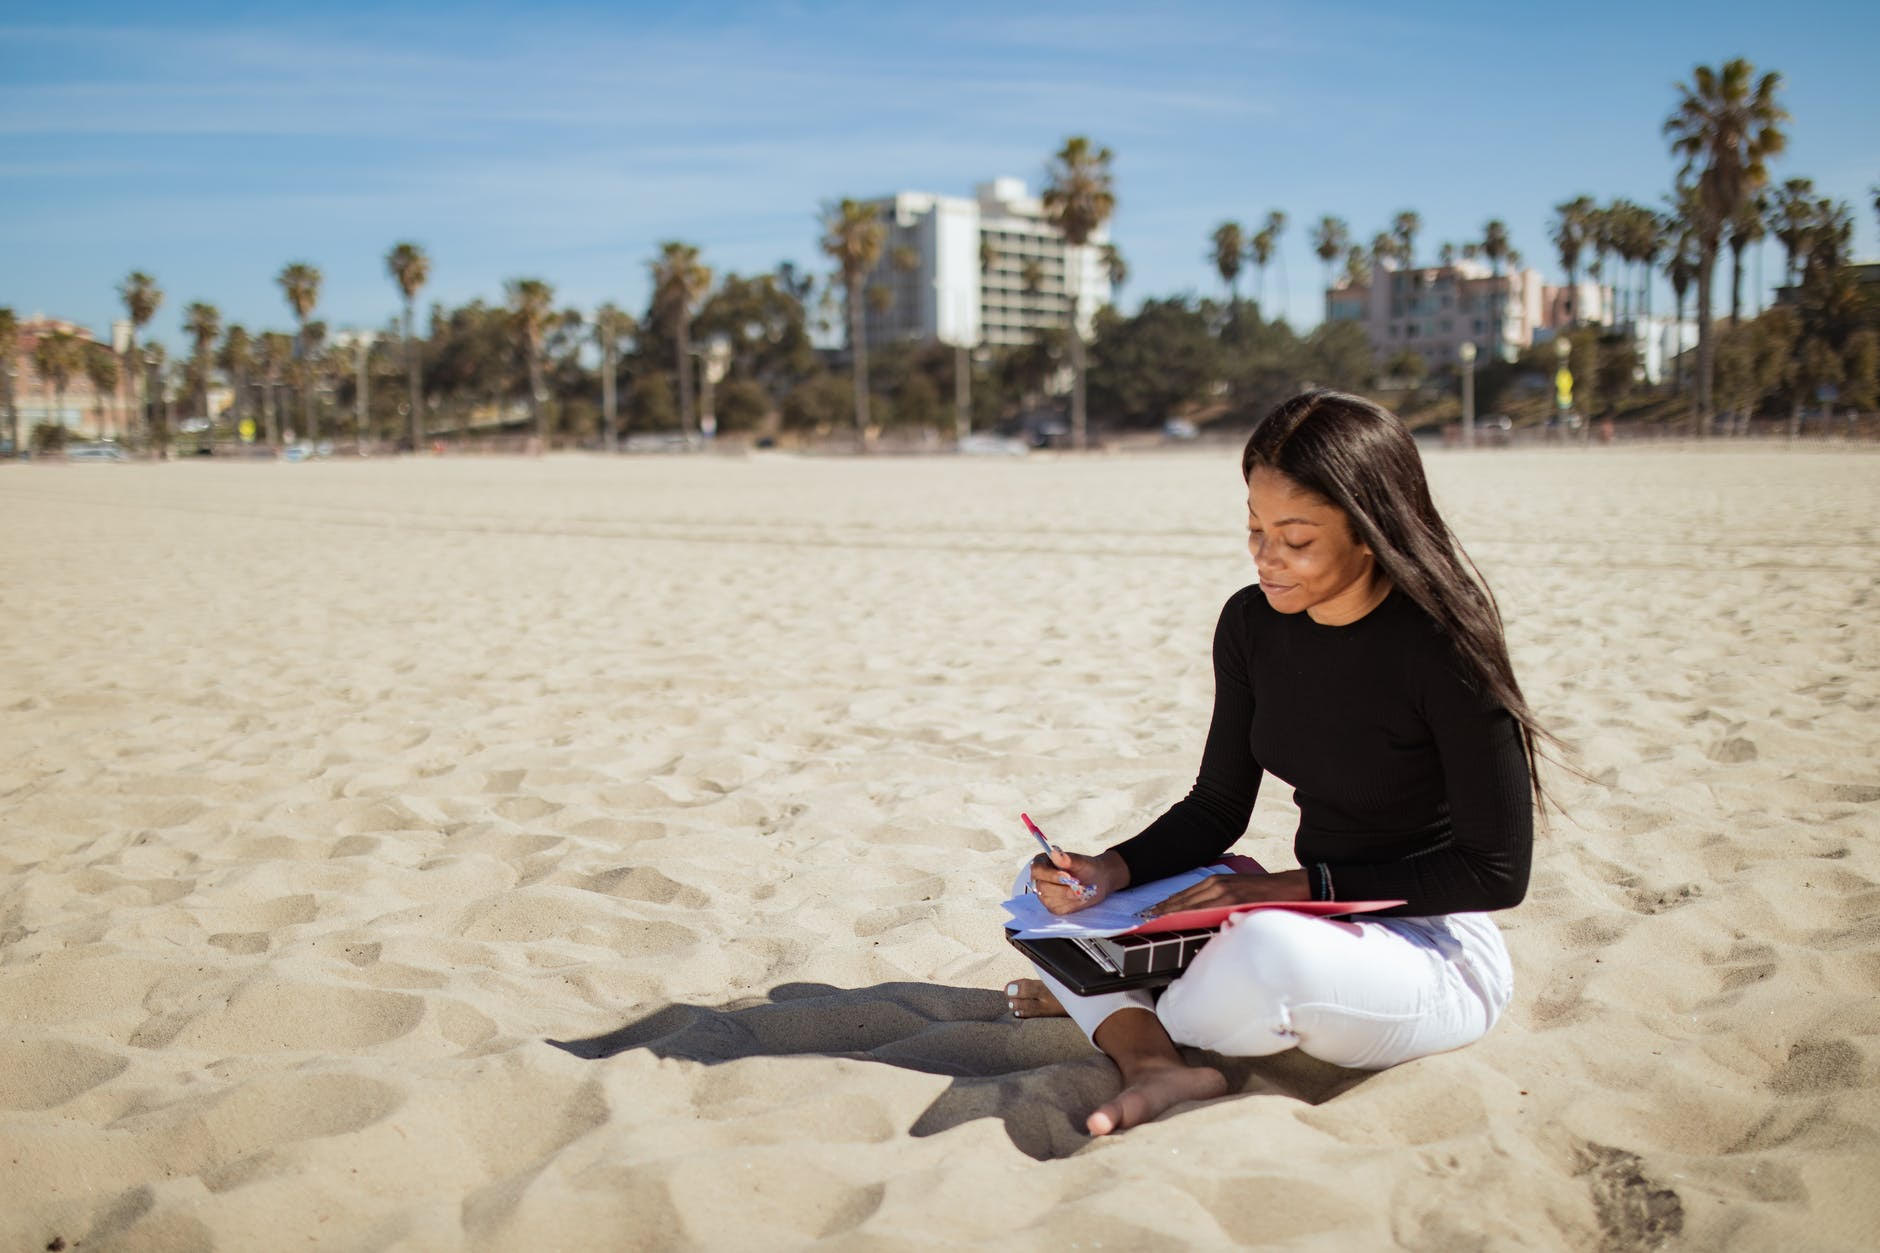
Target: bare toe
1030	998
1153	1093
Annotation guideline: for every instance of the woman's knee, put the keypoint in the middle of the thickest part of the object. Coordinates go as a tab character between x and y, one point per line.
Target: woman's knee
1237	995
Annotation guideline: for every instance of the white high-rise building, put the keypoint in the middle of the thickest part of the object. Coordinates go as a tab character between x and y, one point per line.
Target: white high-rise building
989	270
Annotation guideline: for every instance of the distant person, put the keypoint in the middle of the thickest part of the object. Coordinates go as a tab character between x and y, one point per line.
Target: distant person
1368	669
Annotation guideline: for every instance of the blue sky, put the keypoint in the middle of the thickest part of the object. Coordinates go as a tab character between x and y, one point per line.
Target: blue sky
212	144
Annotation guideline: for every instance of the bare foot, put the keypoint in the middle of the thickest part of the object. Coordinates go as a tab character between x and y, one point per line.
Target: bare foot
1029	998
1155	1087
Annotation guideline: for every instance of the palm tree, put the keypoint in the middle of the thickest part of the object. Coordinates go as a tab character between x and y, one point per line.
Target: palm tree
1570	233
1403	230
1726	127
277	354
679	283
1681	270
202	322
300	284
1329	238
1746	228
530	302
1115	268
1446	254
411	269
1079	197
237	360
1791	219
10	345
853	235
101	370
56	358
1653	237
611	325
1260	252
1384	250
1274	228
1357	267
1229	243
141	297
1495	244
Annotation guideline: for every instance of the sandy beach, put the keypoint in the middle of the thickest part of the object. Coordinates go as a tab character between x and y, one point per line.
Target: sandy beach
606	854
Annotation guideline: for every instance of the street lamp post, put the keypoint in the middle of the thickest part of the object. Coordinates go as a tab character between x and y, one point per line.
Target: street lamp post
1466	353
1563	381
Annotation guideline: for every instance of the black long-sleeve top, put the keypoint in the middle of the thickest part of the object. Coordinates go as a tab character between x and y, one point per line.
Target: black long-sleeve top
1410	784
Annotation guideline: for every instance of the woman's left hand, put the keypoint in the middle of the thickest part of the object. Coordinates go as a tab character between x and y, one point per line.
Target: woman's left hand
1236	889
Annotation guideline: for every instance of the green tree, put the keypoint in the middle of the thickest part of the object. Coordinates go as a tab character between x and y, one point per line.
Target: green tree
1726	127
1330	238
10	345
1495	244
1746	228
142	298
101	371
1791	217
410	269
741	404
56	358
237	359
531	301
1230	243
202	322
1571	231
680	282
1274	229
1357	267
1260	251
819	403
277	356
1403	231
1115	268
853	234
649	402
1079	197
611	326
300	285
1145	368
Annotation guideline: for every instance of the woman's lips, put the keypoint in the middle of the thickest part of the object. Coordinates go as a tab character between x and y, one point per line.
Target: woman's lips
1270	587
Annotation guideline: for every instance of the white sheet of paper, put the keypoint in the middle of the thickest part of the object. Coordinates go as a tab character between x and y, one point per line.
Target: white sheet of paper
1110	916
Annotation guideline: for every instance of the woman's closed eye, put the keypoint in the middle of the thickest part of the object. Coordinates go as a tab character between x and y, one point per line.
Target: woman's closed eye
1254	533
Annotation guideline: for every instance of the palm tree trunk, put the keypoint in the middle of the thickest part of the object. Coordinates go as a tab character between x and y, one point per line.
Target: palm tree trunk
309	428
1079	438
1706	264
413	386
682	351
608	404
536	410
858	359
1736	283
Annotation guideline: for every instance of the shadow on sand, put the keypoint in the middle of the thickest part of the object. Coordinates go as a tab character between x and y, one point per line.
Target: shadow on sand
1038	1077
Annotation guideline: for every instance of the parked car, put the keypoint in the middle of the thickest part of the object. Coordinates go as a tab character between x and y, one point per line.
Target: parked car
1179	429
95	452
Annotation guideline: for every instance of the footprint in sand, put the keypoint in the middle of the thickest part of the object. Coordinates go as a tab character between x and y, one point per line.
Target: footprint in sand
43	1074
270	1014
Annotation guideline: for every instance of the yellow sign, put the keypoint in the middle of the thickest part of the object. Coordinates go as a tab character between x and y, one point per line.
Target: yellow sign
247	429
1563	386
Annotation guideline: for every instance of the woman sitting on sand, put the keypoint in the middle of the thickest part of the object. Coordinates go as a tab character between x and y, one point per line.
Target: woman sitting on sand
1367	668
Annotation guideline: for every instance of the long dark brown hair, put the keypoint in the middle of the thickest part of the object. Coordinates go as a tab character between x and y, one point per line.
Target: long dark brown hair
1360	457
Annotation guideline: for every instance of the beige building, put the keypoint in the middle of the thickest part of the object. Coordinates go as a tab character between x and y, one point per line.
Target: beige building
83	409
1432	311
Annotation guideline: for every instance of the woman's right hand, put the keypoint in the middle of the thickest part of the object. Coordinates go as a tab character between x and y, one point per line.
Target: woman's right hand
1067	882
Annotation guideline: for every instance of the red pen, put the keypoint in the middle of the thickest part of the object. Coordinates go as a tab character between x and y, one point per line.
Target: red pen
1063	878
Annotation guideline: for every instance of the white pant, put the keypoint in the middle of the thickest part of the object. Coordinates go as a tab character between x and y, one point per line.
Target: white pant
1364	994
